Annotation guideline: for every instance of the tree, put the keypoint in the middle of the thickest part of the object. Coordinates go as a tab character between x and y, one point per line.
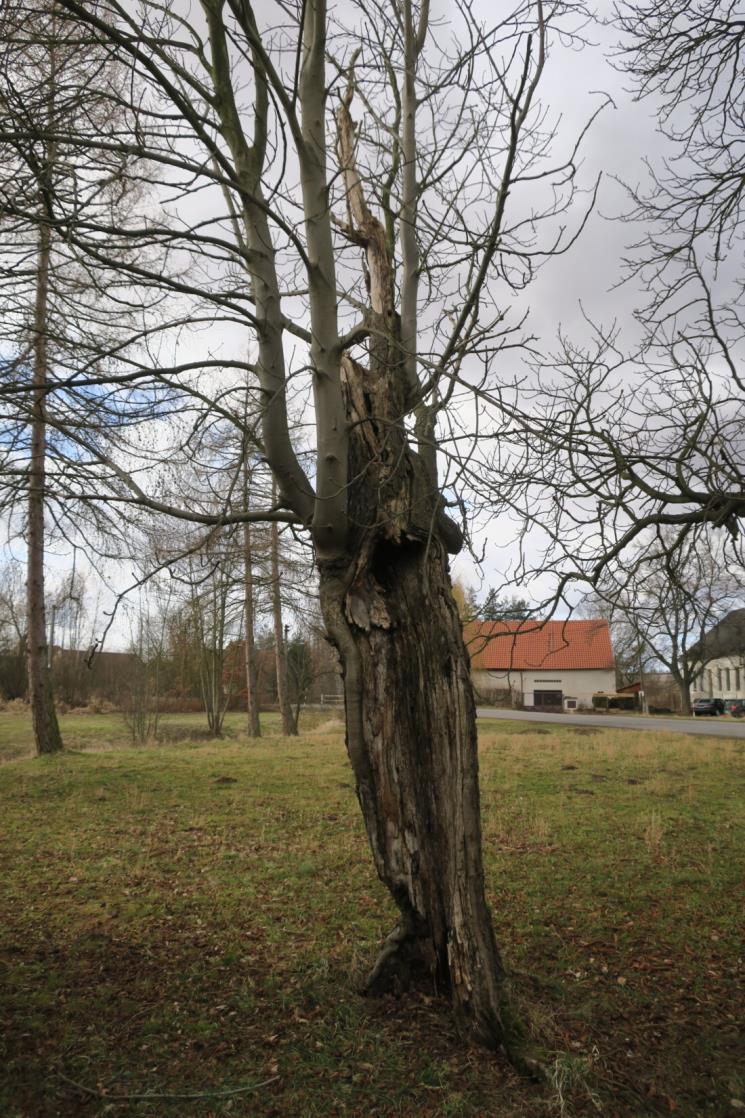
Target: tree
69	637
687	58
249	615
59	306
141	707
13	680
465	599
496	608
289	722
633	659
621	436
665	600
392	265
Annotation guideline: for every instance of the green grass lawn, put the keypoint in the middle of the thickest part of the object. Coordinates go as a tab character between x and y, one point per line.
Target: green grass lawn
194	918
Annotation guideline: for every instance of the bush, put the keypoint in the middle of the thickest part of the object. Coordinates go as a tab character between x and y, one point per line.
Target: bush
15	706
98	705
180	704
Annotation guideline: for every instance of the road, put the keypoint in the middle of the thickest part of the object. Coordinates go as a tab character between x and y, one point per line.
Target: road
721	727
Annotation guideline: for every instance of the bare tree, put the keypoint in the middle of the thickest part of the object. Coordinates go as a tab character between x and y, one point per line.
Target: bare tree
388	189
620	437
665	598
58	305
13	681
686	57
141	706
289	722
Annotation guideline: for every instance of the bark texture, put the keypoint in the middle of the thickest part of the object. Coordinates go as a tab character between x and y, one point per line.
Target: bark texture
411	727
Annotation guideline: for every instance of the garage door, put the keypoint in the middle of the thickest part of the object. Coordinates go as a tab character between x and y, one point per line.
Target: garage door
548	699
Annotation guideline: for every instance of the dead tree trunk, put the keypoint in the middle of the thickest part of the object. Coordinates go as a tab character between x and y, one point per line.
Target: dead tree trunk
411	725
41	697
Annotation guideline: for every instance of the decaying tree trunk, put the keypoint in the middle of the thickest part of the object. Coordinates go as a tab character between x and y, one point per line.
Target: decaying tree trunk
411	727
411	724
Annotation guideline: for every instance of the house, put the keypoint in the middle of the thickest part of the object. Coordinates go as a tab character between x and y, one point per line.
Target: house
722	653
541	665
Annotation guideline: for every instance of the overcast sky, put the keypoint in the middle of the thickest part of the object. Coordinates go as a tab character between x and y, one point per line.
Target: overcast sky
587	278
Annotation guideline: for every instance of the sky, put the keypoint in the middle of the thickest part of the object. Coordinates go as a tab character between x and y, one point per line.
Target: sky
588	281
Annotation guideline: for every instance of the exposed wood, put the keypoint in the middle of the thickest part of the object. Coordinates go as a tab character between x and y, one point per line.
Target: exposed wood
411	731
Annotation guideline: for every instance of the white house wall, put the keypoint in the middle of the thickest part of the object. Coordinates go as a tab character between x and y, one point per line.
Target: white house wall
721	679
579	684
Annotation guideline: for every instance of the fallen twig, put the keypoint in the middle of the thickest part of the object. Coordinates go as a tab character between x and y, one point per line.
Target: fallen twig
220	1094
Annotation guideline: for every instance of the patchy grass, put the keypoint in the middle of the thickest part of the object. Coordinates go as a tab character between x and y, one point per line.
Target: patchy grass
99	732
193	919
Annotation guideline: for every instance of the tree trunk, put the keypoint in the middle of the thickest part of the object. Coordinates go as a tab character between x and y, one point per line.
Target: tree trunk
289	726
683	683
411	736
252	695
411	722
41	697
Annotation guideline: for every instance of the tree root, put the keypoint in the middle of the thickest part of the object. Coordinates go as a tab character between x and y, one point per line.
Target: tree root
407	960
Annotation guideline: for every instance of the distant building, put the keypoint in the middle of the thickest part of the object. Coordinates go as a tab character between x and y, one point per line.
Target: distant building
661	692
722	652
541	665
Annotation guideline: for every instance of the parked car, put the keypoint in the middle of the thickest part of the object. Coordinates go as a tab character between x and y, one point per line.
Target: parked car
708	706
735	707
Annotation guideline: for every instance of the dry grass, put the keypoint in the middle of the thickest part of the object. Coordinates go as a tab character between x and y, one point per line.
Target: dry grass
195	918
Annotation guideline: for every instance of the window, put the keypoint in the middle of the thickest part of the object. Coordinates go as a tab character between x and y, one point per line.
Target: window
726	673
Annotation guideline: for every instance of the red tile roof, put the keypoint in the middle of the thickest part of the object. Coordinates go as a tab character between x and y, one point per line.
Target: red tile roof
531	645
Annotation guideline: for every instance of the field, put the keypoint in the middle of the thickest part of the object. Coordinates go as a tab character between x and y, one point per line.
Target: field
185	925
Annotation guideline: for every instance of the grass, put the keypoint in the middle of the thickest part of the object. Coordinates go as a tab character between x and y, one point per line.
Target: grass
193	919
99	732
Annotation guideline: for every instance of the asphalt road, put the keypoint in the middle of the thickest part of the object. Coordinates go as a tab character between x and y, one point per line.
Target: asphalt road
723	726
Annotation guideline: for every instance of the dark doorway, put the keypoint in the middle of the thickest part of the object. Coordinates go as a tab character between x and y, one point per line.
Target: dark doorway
545	699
